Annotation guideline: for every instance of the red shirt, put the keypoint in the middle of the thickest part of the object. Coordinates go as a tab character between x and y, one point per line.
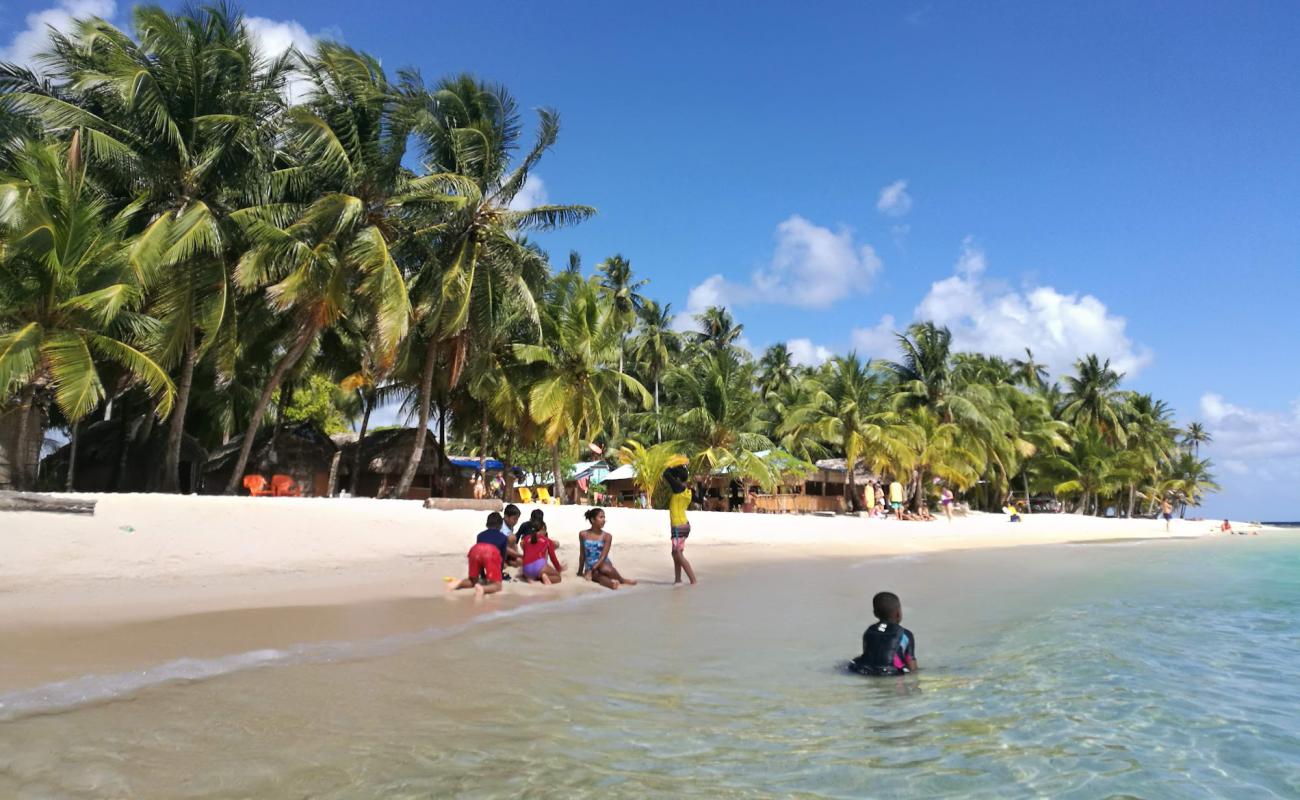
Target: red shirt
541	549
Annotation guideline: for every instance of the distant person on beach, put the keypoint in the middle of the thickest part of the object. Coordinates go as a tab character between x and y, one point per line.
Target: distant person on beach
896	498
595	543
537	548
678	526
887	647
945	500
486	559
1011	511
479	492
1226	527
1167	511
869	498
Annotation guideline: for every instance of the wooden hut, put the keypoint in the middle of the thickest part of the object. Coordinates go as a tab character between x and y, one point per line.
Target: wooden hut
383	455
300	451
122	455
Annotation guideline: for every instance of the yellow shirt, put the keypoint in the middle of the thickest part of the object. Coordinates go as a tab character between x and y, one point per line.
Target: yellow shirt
870	496
895	492
677	505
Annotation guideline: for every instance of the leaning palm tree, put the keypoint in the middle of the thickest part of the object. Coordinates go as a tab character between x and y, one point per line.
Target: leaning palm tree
1190	479
575	368
68	301
849	411
183	113
471	129
320	262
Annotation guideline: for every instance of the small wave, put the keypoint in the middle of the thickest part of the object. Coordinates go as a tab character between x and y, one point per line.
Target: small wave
53	698
902	557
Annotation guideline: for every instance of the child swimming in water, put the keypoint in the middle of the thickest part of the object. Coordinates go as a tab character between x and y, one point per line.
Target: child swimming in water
887	647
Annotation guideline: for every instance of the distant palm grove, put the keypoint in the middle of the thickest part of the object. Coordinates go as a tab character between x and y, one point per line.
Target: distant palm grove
200	241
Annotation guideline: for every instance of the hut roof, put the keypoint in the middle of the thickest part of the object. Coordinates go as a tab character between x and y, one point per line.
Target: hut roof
302	438
102	441
840	465
385	452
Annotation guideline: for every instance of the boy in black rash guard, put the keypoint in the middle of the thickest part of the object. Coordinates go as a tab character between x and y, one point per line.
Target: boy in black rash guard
887	647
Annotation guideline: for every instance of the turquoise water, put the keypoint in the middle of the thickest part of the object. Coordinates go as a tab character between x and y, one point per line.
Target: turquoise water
1153	670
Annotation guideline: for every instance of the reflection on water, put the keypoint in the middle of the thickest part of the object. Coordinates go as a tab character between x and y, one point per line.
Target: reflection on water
1155	671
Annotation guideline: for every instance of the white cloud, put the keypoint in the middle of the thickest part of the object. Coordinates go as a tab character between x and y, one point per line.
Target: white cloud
803	351
29	41
985	316
894	200
878	342
811	267
274	38
531	195
1244	434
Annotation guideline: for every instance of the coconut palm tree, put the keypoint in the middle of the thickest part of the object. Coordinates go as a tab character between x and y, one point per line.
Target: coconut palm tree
1029	373
1093	397
183	113
849	411
1190	479
718	330
622	292
654	348
940	451
336	254
1090	469
775	369
68	299
470	128
575	374
926	379
649	464
1195	436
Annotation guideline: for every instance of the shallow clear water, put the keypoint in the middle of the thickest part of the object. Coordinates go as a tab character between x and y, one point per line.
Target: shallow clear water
1146	670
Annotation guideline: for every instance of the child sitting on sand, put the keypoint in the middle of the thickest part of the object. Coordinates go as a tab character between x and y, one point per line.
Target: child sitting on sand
486	558
887	647
595	543
537	547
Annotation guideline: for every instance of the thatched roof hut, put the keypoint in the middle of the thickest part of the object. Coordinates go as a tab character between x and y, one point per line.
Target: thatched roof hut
383	455
301	451
122	455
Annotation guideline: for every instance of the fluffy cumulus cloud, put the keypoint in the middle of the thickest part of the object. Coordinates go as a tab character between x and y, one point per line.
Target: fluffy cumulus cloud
877	342
987	317
531	195
803	351
29	41
894	200
1244	435
811	267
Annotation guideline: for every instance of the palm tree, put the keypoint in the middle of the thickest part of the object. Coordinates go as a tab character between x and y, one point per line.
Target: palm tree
576	377
848	410
940	451
337	254
926	379
470	129
1090	470
1093	397
1029	373
621	291
183	113
68	301
1190	479
775	369
718	330
649	464
655	346
1195	436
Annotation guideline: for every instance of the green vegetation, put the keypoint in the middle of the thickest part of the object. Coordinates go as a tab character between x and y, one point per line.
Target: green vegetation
182	242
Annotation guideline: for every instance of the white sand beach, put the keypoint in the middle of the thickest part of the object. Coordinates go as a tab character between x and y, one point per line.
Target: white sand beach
150	577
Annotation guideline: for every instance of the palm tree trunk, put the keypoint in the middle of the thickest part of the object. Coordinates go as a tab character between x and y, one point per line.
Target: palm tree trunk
659	430
849	487
1132	499
1029	503
417	447
287	362
20	467
73	436
355	478
176	431
482	446
555	467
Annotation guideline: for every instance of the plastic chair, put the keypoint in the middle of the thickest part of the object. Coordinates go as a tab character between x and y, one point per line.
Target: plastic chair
284	486
256	486
525	495
544	497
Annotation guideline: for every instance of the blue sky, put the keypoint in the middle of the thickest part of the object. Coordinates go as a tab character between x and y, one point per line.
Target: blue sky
1115	177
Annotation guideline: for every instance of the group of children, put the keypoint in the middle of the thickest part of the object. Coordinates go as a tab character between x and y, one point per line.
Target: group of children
530	548
887	647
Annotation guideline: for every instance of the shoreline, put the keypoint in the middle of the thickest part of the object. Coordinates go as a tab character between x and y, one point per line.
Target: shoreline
209	577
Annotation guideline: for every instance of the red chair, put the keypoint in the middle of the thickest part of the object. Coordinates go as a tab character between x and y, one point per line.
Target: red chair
256	486
284	486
